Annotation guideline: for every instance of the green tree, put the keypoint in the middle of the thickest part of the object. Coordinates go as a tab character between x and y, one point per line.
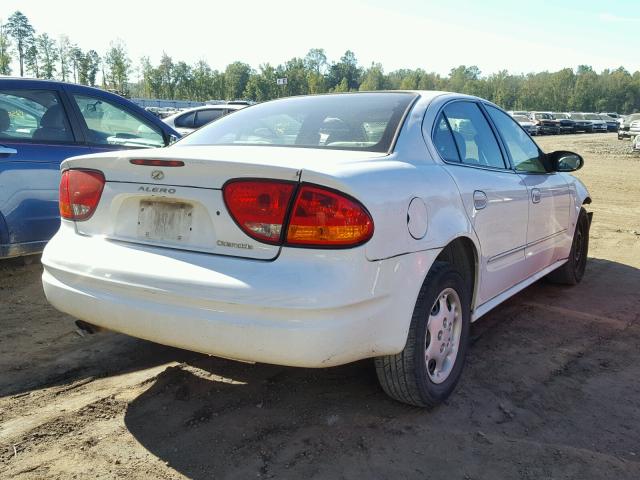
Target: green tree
22	32
119	66
236	77
346	69
316	60
373	78
342	87
64	54
31	63
262	86
5	50
76	56
88	67
47	55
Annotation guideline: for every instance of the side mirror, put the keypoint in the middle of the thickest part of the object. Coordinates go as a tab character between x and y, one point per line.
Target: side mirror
562	161
172	139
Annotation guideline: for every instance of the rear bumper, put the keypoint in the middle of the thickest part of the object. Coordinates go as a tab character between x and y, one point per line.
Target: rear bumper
307	308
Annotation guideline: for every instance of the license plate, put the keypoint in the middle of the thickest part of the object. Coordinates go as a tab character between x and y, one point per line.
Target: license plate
165	221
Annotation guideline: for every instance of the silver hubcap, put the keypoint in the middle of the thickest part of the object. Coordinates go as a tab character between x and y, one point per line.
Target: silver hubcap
443	335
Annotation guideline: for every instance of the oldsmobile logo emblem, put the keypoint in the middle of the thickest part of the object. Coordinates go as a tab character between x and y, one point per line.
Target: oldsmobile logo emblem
157	175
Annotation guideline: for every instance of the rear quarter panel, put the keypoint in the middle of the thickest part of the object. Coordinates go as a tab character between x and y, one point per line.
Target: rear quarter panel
386	188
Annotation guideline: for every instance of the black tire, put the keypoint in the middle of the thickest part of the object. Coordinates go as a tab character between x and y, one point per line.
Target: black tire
571	273
404	376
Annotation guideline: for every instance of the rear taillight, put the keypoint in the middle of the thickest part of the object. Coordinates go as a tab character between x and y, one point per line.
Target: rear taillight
319	217
259	207
80	192
325	218
157	163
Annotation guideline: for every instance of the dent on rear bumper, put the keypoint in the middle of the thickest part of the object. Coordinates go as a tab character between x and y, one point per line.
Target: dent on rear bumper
308	308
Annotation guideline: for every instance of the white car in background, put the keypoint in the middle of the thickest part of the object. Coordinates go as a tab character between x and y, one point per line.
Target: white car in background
316	231
187	121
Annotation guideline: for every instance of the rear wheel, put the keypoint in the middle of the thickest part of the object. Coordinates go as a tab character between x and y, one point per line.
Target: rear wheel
571	273
428	369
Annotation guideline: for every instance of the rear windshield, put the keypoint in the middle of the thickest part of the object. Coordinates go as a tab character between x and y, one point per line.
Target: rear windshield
361	121
577	116
560	116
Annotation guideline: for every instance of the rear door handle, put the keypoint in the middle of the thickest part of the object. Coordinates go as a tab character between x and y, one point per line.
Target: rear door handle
479	199
6	151
536	195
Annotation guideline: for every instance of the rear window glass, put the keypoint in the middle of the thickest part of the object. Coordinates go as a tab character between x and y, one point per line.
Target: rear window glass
33	115
363	121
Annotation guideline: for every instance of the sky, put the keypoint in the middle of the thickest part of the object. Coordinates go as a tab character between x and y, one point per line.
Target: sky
436	35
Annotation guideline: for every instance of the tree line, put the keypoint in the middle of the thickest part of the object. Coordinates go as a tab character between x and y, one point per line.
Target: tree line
41	56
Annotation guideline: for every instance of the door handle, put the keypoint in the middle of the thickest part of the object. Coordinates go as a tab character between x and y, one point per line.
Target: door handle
6	151
536	196
479	199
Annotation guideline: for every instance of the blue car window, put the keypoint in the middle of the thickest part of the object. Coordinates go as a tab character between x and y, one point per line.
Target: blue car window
110	124
33	116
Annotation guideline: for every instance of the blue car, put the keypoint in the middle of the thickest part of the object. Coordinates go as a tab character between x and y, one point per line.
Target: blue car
41	124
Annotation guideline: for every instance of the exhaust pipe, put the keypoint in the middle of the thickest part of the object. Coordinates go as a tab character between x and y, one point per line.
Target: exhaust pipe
88	328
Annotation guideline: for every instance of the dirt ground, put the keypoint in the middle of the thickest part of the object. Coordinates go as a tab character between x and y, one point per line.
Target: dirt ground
551	389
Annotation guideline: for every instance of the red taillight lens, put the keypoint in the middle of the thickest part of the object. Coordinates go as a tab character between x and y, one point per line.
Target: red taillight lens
325	218
259	207
80	192
157	163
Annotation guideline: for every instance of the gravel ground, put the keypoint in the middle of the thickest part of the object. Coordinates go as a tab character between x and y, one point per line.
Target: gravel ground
551	389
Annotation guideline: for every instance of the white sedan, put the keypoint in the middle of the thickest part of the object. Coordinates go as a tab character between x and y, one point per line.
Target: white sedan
316	231
187	121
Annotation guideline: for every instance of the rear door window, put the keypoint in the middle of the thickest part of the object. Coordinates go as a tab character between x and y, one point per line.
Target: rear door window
205	116
111	124
443	140
33	116
186	120
477	145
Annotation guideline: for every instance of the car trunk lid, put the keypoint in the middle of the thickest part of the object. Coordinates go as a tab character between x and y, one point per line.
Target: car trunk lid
182	207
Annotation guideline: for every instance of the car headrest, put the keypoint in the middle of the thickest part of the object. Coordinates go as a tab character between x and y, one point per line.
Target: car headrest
53	118
5	121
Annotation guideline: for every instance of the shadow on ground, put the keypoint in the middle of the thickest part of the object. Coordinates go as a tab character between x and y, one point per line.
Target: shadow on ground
535	402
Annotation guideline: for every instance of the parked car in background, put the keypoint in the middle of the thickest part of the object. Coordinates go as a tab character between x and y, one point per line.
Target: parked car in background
526	123
315	231
625	130
189	120
581	124
545	122
612	123
523	113
612	115
598	124
41	124
566	124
